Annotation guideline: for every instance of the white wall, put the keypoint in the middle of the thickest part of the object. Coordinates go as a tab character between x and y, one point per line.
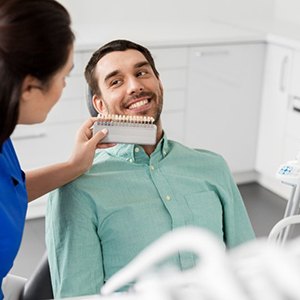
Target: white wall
145	11
287	10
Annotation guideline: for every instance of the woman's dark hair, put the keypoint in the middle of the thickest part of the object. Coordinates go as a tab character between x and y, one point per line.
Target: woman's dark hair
116	45
35	39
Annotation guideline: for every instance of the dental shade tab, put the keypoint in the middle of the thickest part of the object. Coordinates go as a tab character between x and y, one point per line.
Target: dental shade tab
127	129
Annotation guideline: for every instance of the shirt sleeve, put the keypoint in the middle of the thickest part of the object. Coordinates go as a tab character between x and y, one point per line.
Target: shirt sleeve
237	226
73	245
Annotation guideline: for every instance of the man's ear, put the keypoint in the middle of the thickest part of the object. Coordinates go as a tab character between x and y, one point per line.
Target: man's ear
161	86
99	105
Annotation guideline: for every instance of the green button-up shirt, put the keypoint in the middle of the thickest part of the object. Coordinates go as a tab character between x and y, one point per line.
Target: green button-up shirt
101	221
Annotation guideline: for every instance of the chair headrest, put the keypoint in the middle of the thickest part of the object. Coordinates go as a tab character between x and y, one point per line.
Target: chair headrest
89	102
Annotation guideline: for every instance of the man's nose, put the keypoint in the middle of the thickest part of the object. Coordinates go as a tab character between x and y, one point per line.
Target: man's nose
134	85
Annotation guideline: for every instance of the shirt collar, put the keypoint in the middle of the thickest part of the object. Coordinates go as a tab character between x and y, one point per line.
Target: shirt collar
135	153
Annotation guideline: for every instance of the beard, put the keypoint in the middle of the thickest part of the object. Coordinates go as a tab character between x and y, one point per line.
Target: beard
158	110
156	98
155	111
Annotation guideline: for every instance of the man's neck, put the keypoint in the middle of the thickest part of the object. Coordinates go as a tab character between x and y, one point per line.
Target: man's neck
149	149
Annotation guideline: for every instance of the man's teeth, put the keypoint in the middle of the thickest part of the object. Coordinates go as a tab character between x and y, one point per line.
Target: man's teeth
138	104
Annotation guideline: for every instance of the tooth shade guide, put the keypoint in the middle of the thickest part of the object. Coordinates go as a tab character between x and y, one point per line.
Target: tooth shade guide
127	129
122	119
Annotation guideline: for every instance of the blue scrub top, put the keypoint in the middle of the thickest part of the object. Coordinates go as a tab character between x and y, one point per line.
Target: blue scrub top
13	206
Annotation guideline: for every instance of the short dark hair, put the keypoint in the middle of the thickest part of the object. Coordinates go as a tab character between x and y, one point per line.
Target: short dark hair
35	39
116	45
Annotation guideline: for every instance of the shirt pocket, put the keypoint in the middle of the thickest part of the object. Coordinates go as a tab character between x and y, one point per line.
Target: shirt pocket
206	211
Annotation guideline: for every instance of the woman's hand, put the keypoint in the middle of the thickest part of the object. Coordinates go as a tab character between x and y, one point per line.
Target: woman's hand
86	145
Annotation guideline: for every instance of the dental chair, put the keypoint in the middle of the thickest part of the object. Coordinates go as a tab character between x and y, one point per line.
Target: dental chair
38	286
277	233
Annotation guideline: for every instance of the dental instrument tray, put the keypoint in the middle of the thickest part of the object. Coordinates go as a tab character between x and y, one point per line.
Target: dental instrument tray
127	129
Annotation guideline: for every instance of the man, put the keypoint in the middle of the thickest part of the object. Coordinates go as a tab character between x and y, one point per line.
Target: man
134	194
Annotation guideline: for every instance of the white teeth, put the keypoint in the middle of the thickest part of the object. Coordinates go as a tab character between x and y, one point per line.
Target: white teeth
138	104
113	119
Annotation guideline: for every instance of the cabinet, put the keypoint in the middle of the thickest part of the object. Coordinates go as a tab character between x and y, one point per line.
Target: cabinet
292	134
223	103
279	138
274	117
274	109
172	65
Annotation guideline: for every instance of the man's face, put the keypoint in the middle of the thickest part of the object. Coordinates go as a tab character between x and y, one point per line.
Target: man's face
128	85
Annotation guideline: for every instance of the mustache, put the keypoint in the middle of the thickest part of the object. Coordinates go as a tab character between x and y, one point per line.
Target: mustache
140	95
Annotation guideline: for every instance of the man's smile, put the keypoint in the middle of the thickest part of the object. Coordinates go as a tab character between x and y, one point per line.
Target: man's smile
138	104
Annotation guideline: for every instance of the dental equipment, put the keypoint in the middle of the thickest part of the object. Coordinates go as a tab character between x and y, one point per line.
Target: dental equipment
212	266
281	225
289	173
257	270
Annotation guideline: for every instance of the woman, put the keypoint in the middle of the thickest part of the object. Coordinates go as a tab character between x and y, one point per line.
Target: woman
36	54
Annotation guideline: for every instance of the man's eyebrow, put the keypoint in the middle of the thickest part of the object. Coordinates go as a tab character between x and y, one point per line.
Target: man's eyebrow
116	72
111	74
141	64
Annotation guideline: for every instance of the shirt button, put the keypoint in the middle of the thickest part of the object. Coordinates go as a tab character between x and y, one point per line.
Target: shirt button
168	198
131	160
137	149
152	167
165	152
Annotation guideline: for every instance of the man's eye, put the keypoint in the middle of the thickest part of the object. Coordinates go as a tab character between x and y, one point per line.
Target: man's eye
141	73
115	82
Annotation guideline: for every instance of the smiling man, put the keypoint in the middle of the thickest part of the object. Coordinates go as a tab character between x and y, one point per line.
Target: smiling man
134	194
124	81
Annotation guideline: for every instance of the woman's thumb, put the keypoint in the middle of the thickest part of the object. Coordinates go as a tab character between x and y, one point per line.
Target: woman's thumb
98	136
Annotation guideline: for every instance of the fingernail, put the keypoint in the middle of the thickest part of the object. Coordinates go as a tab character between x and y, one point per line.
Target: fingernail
104	130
